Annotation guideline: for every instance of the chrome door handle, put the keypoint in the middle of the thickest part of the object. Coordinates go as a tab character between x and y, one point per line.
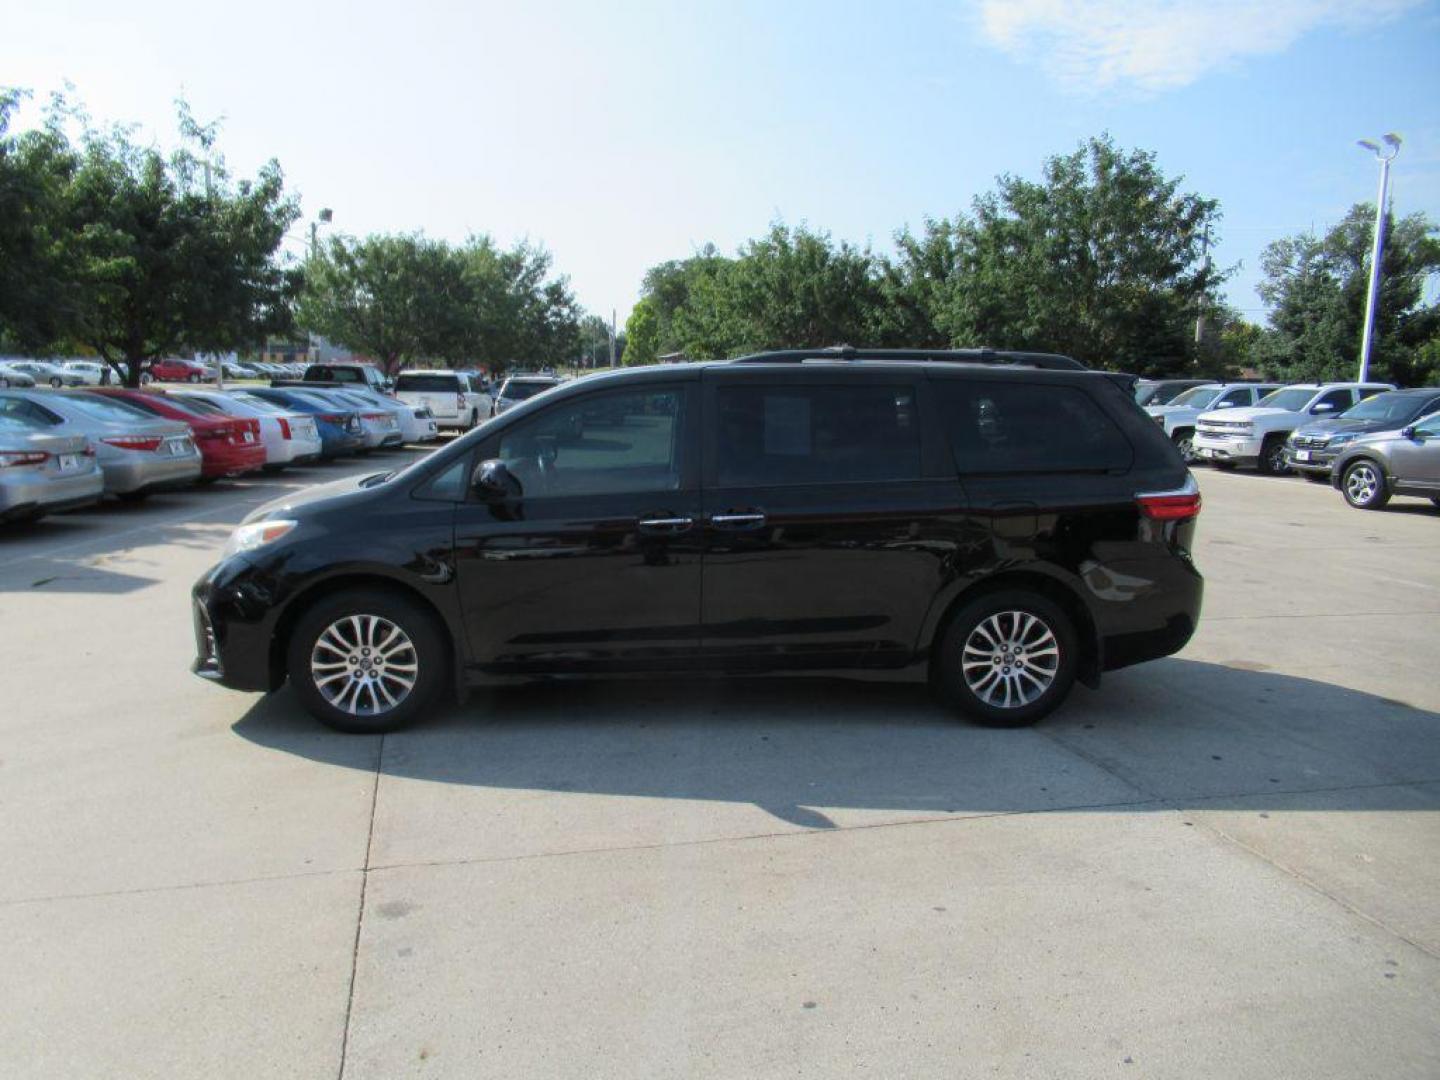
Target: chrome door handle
737	521
666	524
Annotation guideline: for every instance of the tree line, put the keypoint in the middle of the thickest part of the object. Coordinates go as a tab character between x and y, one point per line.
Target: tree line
113	247
1103	258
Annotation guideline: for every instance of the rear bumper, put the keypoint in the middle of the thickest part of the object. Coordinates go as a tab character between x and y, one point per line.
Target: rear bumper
232	460
22	496
1150	608
123	476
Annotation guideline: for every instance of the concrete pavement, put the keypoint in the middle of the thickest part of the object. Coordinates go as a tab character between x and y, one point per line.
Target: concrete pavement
1220	864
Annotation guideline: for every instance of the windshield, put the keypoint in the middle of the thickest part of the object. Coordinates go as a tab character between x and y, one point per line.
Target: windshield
1198	397
1291	399
255	402
438	382
1397	407
516	390
201	406
109	409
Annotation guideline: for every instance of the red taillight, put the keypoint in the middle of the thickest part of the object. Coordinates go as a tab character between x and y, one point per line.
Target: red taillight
1178	505
22	457
460	402
284	427
134	442
375	415
333	418
206	434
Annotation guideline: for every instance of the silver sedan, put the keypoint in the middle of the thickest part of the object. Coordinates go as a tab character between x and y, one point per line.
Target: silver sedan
42	473
137	452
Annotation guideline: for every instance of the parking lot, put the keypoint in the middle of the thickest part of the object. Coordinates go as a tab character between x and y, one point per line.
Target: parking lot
1221	864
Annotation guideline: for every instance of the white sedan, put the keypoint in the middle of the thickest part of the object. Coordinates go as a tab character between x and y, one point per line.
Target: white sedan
290	438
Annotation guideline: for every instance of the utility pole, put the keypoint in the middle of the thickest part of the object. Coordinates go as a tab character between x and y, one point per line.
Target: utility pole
1367	339
1200	315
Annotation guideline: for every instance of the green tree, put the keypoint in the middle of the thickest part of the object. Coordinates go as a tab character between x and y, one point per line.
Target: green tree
396	298
35	171
1315	289
136	254
642	333
1102	259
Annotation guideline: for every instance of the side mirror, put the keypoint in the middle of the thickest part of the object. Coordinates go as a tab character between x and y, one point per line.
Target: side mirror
493	482
1408	431
1226	405
1324	406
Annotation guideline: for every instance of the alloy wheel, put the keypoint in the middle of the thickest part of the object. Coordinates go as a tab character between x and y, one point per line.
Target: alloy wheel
1010	659
364	665
1362	484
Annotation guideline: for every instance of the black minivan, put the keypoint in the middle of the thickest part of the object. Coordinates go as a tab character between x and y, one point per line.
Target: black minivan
1000	524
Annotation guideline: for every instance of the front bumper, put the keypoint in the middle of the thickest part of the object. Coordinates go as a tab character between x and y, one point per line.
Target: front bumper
234	616
1237	449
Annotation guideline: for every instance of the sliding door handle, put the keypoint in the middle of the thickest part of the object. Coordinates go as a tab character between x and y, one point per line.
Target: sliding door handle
750	520
668	525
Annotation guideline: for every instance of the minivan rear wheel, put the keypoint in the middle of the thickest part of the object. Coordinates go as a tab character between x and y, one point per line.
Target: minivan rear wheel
1008	658
366	661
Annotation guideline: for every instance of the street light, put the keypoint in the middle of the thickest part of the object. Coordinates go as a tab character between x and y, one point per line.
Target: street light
1368	339
325	215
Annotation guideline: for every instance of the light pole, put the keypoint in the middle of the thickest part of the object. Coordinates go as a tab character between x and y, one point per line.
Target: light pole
326	215
1368	338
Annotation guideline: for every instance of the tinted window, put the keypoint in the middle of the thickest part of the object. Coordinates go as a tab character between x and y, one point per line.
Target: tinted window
438	383
602	444
1291	398
1237	397
816	435
1027	427
1198	397
516	390
1340	399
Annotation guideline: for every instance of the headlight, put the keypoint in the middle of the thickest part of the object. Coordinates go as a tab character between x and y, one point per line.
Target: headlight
1341	440
257	534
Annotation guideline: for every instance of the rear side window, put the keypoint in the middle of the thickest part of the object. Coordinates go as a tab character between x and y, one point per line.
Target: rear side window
432	384
996	427
770	435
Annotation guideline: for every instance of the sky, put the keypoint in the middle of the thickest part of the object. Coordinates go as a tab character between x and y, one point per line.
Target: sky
621	134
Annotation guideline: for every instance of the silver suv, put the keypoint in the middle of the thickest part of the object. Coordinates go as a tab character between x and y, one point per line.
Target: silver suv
1404	462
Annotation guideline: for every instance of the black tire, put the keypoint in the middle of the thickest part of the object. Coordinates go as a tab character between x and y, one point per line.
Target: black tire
56	381
132	496
1435	501
427	652
272	470
1005	605
1184	440
1272	456
1316	477
192	377
1364	486
1223	466
474	418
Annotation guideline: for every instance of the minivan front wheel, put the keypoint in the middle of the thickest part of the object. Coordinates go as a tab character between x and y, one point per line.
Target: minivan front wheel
366	661
1008	658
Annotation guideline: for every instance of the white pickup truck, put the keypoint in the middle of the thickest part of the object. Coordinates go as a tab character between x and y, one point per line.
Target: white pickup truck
1178	416
1256	436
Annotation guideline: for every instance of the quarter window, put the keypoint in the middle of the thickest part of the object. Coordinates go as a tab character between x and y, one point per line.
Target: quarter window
773	435
601	444
999	427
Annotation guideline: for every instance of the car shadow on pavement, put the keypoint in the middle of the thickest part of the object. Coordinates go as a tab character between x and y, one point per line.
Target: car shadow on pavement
1176	733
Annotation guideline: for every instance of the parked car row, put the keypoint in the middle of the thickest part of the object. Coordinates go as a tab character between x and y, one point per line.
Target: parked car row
61	449
1370	440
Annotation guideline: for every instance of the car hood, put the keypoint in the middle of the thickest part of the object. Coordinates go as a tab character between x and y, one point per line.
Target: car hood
1338	424
310	498
1249	412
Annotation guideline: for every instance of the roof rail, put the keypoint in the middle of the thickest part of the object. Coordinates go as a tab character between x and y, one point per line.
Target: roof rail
1048	361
